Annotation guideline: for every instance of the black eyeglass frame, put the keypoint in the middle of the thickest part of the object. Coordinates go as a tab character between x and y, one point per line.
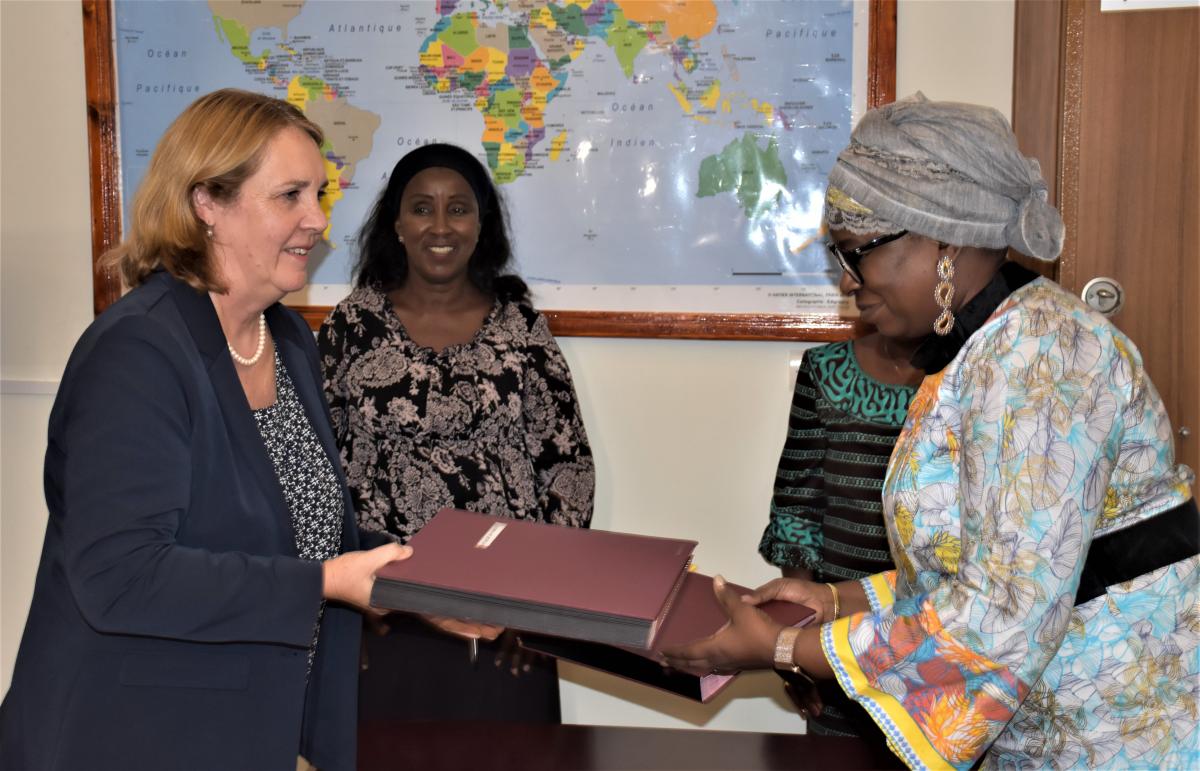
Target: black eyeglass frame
850	258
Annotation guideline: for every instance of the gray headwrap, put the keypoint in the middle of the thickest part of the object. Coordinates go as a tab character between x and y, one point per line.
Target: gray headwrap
944	170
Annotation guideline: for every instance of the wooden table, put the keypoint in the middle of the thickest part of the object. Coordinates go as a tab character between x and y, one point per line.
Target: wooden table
478	746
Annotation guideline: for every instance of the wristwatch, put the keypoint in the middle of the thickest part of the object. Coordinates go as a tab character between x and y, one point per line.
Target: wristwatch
785	645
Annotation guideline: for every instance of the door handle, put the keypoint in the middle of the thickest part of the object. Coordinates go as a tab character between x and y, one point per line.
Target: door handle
1104	294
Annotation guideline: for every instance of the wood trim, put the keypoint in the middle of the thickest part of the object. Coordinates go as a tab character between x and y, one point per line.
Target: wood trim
103	152
881	53
685	326
1071	100
106	207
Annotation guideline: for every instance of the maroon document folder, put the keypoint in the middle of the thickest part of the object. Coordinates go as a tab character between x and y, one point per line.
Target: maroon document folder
694	614
587	584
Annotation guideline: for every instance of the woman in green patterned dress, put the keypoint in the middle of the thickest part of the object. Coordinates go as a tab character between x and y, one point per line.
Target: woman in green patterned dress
826	521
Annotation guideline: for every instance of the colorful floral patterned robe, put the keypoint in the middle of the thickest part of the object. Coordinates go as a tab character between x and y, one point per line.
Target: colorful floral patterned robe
1042	433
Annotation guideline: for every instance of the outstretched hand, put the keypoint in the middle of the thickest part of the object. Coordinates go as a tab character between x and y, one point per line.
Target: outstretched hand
350	576
746	642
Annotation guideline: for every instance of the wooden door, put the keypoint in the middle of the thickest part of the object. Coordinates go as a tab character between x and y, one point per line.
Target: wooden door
1108	103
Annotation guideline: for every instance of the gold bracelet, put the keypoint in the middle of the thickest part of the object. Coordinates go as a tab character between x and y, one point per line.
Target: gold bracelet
836	605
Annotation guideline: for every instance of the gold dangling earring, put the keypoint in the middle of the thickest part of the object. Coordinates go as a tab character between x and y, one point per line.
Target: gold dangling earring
943	294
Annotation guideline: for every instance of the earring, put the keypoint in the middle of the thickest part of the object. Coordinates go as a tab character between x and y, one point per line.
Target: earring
400	238
943	294
208	232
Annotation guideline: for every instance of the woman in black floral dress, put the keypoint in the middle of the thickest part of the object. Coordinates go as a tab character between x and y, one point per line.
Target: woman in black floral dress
447	389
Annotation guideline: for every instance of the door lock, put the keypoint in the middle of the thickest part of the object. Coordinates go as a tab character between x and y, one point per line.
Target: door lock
1105	295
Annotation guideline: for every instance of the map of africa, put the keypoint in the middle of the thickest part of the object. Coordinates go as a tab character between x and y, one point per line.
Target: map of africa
654	144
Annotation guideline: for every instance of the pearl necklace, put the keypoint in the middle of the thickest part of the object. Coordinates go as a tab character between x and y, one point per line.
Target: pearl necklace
258	352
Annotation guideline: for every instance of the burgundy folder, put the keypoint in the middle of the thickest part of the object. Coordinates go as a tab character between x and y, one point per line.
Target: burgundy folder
694	614
587	584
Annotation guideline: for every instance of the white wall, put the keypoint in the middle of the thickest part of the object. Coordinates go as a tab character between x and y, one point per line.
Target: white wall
45	271
686	433
956	50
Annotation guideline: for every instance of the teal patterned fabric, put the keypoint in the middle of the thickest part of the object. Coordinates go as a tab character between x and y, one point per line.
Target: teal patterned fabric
843	383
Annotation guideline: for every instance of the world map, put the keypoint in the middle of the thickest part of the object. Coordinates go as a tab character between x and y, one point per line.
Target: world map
653	144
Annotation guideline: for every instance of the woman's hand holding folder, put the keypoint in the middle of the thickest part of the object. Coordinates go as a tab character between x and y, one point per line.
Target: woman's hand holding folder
468	630
350	577
745	642
511	655
748	640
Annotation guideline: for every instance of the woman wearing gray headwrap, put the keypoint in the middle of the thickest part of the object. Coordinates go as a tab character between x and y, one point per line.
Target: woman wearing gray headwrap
1044	606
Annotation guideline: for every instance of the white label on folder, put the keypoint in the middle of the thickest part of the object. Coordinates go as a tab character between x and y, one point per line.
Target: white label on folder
492	534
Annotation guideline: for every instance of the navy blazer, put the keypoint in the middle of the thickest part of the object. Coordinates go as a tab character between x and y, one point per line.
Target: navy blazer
171	617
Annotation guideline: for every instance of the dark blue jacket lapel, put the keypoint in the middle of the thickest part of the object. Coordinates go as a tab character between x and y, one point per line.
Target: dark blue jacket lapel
201	319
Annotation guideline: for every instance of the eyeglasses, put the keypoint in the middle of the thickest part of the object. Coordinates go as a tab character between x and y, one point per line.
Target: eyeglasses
849	259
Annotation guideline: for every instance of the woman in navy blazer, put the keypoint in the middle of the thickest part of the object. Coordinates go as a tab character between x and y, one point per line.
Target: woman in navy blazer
197	601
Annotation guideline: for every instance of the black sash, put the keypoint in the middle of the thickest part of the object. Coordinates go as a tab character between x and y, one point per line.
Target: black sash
1136	550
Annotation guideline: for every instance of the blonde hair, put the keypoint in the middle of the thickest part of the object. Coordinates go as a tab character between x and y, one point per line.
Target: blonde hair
217	143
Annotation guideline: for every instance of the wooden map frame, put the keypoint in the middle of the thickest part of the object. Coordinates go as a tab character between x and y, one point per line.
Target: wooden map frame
104	167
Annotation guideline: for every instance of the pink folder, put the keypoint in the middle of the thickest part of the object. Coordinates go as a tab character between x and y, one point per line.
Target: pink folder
694	614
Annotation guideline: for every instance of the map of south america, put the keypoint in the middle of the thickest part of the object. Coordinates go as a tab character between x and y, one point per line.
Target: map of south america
349	130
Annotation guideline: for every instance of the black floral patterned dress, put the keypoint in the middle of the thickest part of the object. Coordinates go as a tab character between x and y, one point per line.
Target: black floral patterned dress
306	476
491	425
